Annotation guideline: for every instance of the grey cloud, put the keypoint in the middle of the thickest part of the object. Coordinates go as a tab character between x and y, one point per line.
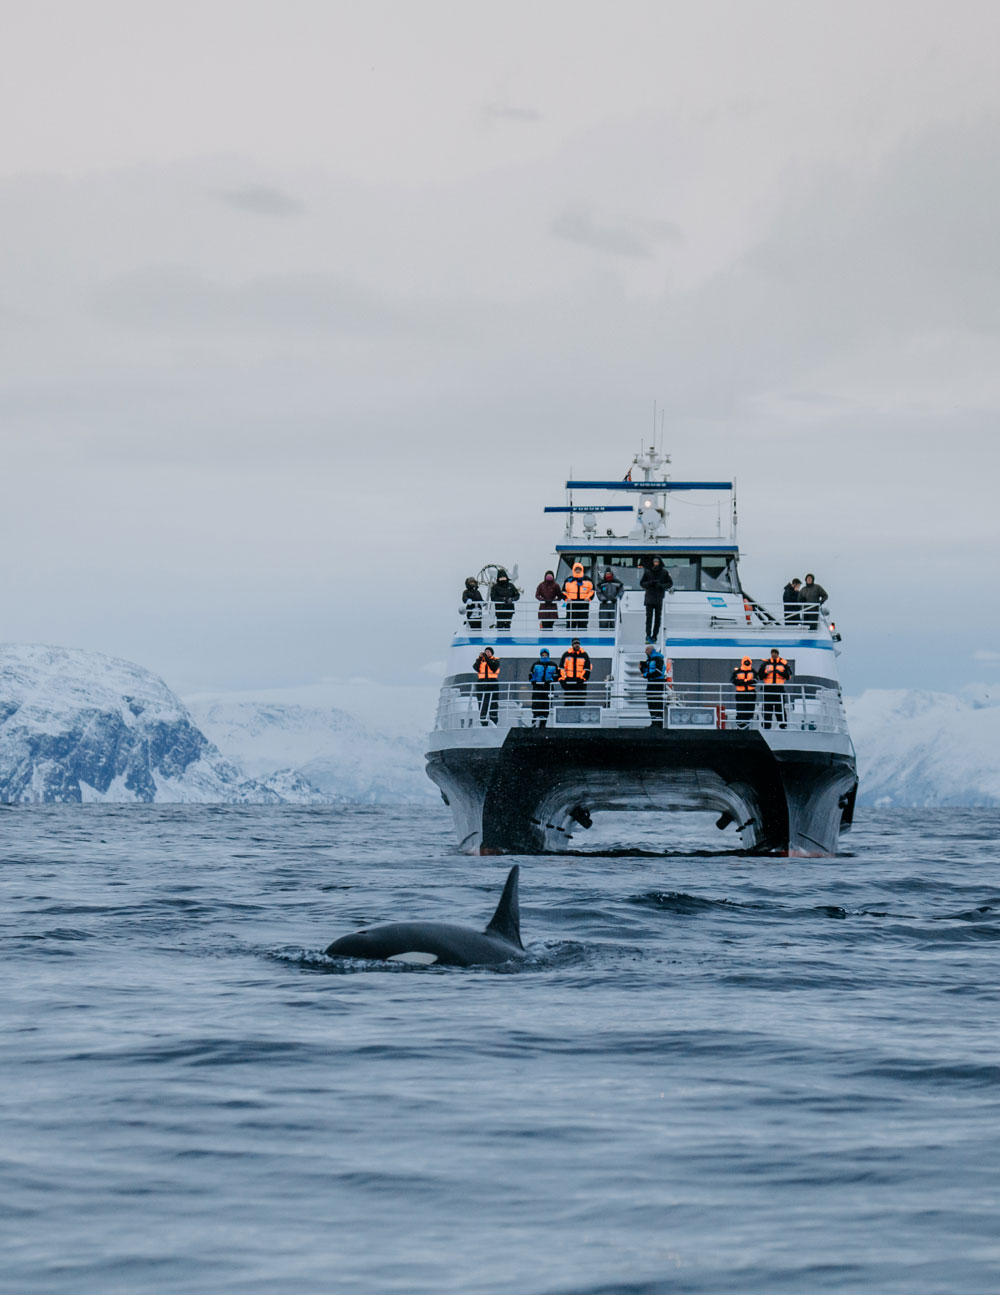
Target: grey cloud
261	200
511	113
637	238
909	247
176	299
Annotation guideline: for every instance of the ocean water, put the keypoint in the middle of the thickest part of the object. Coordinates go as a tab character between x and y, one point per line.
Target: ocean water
712	1074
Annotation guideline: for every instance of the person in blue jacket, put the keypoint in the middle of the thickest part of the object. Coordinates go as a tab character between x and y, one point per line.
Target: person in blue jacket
542	676
654	669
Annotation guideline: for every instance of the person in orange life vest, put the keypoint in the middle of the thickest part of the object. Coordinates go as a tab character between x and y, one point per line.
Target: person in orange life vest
656	581
574	671
578	591
774	674
814	596
487	668
548	594
742	680
609	591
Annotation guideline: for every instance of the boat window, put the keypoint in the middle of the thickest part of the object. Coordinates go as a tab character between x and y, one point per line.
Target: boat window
715	572
683	571
718	573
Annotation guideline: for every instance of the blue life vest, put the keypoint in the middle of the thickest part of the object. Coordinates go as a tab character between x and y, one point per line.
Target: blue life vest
544	672
655	668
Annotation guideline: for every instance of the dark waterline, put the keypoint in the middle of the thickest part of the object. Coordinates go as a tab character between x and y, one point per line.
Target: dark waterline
712	1074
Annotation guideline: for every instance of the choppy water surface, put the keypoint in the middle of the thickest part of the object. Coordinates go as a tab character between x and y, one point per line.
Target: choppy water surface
713	1073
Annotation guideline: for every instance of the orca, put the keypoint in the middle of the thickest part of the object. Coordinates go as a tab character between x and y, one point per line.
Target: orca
442	943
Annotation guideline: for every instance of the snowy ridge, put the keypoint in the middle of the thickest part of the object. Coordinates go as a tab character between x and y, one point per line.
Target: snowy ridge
919	748
78	726
333	752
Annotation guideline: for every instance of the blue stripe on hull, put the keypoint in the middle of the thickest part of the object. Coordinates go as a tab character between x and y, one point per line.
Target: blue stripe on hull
681	641
549	641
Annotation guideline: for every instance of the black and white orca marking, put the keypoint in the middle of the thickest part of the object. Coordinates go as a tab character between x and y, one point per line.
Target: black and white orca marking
427	943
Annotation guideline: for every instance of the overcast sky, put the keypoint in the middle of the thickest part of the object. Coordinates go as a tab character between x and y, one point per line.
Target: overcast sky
308	308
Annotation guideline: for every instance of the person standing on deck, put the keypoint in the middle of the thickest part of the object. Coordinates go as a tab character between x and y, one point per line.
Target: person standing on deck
487	668
542	676
790	598
609	590
743	680
574	671
656	581
472	603
774	674
548	594
578	591
503	595
653	668
813	596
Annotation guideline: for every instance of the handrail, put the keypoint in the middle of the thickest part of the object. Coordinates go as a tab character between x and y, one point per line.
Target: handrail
631	703
685	610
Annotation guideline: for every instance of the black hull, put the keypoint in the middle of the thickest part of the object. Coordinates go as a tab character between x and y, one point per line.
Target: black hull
531	794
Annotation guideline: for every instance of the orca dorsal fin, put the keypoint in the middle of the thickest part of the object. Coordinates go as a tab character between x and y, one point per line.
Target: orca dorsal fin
506	921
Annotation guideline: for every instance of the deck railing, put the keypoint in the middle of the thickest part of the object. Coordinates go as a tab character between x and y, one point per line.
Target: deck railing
528	618
796	707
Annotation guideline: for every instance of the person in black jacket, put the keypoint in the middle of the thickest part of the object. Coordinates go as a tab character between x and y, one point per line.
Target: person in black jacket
503	595
813	596
609	590
472	601
656	581
790	597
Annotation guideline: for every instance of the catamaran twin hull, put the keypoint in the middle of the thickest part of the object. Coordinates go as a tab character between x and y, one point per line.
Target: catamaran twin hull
532	792
524	765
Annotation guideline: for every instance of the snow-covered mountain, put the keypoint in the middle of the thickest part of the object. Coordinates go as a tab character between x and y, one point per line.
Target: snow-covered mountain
339	755
79	726
927	748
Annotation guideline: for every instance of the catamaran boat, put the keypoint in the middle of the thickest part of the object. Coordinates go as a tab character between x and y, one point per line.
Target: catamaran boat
522	777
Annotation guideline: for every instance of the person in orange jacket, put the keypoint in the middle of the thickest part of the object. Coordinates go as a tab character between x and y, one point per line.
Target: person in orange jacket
578	591
574	671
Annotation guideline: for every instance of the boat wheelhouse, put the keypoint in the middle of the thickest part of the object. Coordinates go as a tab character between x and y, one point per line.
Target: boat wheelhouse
522	770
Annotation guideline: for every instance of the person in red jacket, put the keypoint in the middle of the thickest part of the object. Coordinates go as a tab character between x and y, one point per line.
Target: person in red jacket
548	593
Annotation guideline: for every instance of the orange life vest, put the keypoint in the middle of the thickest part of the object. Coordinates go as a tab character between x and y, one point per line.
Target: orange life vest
488	667
576	666
775	672
744	680
578	590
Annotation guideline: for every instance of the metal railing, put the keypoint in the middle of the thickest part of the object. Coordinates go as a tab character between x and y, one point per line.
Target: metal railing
628	704
682	612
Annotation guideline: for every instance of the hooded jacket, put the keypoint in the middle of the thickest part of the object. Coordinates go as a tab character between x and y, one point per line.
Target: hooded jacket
656	581
504	593
578	588
549	591
814	593
544	671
